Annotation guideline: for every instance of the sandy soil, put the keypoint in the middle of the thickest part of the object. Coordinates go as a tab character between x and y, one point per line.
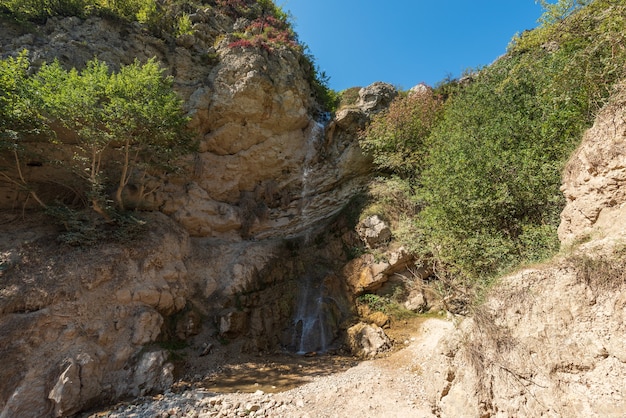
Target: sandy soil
391	386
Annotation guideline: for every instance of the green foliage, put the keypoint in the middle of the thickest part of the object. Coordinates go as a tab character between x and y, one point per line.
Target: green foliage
388	304
374	302
485	174
19	117
394	200
134	112
133	117
556	12
395	138
491	188
184	25
327	97
348	97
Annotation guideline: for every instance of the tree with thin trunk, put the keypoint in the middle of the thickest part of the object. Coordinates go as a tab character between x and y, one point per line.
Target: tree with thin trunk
18	118
133	116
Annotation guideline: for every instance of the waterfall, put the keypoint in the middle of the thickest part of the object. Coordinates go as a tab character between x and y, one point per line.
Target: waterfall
320	301
314	137
317	316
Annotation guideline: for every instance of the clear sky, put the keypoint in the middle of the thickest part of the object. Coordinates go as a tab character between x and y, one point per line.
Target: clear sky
406	42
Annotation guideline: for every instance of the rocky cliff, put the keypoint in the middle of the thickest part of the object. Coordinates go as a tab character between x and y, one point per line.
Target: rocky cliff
551	338
222	255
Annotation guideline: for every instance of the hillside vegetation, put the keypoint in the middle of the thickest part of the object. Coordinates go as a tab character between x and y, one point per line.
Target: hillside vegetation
112	130
480	159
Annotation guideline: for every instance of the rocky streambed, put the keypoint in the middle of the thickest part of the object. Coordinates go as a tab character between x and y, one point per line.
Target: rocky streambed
324	386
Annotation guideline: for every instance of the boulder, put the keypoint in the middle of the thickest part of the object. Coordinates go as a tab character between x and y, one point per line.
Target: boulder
376	97
374	231
367	340
233	324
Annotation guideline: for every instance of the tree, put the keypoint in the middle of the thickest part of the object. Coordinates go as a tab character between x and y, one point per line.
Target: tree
18	117
145	116
77	100
556	12
133	115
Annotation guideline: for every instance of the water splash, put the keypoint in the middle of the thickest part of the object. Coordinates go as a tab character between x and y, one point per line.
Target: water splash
317	316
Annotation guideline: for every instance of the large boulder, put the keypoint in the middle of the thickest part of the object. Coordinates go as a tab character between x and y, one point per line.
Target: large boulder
374	231
367	340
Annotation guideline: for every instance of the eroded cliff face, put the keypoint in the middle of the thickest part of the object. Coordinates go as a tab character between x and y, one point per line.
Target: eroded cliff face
551	339
223	253
594	177
262	137
79	326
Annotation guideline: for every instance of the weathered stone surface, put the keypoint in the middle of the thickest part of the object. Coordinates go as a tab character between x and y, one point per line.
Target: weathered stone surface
379	319
360	274
416	301
83	342
376	97
152	373
367	340
594	178
234	323
374	231
270	166
562	345
366	273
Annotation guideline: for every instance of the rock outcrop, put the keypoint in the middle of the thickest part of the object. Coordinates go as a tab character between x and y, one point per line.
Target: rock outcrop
221	255
594	178
270	163
551	340
79	327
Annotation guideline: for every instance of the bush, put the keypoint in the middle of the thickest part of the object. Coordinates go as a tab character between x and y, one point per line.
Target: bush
395	138
484	156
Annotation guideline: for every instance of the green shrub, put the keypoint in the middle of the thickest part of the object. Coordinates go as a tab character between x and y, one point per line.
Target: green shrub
485	172
395	138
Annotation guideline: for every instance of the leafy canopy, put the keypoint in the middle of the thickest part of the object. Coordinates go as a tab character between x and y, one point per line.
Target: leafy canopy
117	126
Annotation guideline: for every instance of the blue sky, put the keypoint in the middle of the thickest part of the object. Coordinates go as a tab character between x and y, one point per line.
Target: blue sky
406	42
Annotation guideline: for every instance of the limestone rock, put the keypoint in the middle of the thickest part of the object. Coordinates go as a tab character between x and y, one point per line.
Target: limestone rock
367	340
367	274
416	301
84	342
153	373
559	344
374	231
270	166
234	323
376	97
66	391
364	275
594	179
379	319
